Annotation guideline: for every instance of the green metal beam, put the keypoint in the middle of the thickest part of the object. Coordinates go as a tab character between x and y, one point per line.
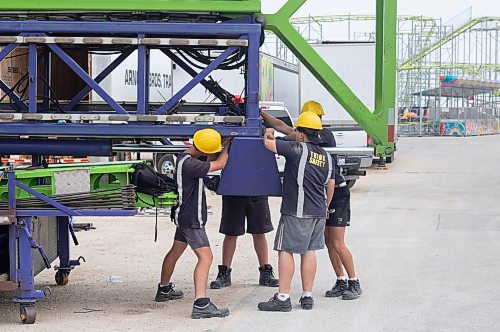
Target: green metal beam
200	6
375	124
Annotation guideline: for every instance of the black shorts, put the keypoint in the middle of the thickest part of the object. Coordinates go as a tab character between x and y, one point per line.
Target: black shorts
340	208
195	237
236	208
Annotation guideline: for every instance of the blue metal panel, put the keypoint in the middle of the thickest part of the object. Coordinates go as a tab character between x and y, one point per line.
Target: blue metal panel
55	147
131	28
120	131
251	170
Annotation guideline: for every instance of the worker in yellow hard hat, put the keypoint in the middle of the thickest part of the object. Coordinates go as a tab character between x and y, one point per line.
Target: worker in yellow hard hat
309	173
190	219
339	211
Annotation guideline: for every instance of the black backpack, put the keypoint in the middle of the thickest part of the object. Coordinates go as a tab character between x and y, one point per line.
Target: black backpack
148	181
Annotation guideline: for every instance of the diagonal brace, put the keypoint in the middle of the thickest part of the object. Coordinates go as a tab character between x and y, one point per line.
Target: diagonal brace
46	199
105	73
196	80
86	78
178	61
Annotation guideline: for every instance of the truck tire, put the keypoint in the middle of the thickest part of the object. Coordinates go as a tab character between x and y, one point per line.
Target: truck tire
166	165
389	159
350	183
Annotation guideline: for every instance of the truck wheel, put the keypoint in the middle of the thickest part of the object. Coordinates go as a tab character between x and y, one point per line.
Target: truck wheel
350	183
389	159
166	165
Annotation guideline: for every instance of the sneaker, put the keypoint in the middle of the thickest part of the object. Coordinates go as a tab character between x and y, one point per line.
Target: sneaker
275	304
208	311
338	289
167	293
306	302
223	278
353	290
267	276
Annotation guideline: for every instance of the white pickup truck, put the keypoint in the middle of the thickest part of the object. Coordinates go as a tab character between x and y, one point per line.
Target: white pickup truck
353	153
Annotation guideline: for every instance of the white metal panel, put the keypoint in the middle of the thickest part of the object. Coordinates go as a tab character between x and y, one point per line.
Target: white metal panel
286	89
121	84
355	64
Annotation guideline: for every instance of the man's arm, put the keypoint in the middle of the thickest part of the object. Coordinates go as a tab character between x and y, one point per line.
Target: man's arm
330	187
269	141
221	160
276	124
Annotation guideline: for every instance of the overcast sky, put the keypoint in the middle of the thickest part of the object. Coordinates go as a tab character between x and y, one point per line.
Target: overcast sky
446	9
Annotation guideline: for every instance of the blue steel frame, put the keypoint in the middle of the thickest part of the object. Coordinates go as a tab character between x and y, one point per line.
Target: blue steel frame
249	31
21	243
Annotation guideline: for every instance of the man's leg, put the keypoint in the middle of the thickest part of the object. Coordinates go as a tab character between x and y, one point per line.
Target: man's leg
338	244
170	260
261	249
259	223
332	253
232	225
286	268
166	291
228	250
201	271
281	301
353	290
308	267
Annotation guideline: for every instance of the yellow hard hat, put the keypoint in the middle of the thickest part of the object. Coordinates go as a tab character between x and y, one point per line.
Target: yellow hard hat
313	106
207	141
309	120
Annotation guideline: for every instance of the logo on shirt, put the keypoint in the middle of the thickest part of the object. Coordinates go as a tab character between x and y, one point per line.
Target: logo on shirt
317	159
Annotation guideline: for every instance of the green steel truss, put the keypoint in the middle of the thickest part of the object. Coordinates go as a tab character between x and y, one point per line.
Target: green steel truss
190	6
374	122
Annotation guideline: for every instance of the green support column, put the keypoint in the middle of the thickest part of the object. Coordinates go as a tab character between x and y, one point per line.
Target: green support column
375	124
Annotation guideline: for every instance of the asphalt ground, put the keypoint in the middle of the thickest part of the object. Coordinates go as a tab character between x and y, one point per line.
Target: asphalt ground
425	236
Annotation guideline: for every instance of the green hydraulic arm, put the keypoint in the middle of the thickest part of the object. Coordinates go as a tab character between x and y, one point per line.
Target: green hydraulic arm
374	123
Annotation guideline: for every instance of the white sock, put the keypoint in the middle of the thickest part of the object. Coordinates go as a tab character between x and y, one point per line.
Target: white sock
341	278
353	279
304	294
162	285
283	297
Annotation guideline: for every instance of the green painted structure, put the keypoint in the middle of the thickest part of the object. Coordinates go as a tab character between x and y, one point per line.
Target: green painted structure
374	122
102	176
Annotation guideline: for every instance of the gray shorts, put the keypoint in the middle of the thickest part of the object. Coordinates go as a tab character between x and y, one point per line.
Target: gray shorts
195	237
298	235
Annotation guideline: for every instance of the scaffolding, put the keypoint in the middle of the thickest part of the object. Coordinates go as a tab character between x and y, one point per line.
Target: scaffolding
427	50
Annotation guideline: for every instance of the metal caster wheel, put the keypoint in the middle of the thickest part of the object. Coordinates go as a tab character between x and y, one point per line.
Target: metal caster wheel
27	314
62	277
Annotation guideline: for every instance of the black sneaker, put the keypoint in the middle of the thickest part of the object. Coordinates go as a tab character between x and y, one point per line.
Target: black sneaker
167	293
306	302
275	304
223	278
353	290
267	276
208	311
338	289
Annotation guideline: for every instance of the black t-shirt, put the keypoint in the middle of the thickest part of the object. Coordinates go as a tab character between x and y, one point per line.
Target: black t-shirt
308	169
192	212
329	142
